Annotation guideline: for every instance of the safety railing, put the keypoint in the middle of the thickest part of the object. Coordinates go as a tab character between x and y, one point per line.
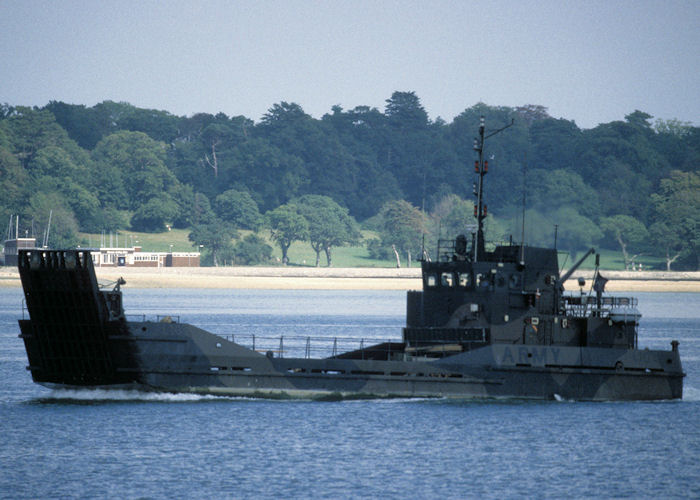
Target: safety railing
293	346
582	306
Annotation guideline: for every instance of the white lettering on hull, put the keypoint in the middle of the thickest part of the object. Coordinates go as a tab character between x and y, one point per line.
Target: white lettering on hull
538	356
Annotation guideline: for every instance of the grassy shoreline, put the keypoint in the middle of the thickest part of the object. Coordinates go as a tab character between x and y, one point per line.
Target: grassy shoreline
310	278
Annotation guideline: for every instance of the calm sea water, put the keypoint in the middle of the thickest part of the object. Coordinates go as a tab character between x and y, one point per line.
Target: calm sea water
91	445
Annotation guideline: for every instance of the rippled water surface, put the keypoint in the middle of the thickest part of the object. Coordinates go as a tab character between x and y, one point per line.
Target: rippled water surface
97	444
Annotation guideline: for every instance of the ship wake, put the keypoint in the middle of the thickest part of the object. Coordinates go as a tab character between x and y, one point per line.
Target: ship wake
88	396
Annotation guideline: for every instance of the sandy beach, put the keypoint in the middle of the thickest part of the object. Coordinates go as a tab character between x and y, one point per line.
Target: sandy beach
309	278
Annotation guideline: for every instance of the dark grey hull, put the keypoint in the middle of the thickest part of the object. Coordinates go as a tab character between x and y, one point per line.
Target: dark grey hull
500	385
181	358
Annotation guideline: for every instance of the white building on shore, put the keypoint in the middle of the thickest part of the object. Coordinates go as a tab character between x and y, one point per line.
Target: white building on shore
134	257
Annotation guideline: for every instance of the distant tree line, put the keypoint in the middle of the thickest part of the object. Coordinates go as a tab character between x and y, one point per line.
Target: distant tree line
630	185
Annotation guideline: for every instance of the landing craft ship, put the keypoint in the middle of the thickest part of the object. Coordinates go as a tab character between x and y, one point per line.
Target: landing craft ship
487	323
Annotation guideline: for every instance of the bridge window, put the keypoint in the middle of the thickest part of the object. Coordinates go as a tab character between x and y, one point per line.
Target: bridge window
465	280
430	280
447	279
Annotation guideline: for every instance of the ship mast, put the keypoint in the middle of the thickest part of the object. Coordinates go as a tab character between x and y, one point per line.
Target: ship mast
481	167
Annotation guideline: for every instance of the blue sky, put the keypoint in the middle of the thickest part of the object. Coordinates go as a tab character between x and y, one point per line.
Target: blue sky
587	61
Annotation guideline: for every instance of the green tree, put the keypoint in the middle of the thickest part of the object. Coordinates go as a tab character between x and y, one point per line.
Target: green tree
184	197
152	216
84	204
37	156
677	142
667	240
287	225
628	232
238	208
621	190
54	161
53	169
405	110
329	225
317	146
403	227
552	144
252	250
366	182
200	211
413	151
215	237
139	162
621	161
271	176
86	126
159	125
109	219
639	119
30	130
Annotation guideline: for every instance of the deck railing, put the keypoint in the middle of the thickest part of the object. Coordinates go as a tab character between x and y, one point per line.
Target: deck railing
582	306
294	346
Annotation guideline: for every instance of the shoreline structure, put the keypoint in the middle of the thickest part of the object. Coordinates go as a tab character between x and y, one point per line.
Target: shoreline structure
323	278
